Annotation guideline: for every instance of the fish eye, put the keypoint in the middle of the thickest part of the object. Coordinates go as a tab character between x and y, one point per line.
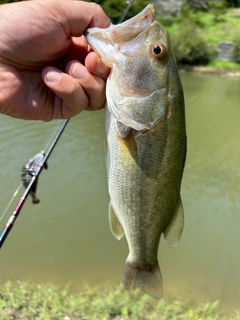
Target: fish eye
157	50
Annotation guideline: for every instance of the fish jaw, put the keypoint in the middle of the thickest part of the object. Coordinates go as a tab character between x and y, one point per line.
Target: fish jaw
133	85
100	41
105	41
145	143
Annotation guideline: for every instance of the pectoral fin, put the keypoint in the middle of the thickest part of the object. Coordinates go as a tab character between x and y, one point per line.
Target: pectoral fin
173	231
123	131
115	225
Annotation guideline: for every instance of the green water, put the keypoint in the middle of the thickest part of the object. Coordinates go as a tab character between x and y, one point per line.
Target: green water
66	238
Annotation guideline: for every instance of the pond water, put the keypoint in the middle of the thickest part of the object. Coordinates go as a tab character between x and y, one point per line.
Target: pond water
66	238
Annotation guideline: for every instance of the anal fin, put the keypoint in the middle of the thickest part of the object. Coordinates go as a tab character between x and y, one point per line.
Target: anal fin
115	225
173	231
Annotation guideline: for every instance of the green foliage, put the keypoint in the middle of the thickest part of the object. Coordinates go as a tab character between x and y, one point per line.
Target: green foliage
189	45
227	65
218	9
236	48
8	1
195	34
205	4
233	3
27	301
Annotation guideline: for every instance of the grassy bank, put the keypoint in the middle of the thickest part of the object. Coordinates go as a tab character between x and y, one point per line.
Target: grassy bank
28	301
217	25
196	34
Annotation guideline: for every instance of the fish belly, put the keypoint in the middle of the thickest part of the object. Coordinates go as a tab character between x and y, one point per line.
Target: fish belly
144	177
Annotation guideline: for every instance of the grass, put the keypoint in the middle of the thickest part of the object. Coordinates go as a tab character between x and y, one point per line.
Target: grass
222	29
228	65
27	301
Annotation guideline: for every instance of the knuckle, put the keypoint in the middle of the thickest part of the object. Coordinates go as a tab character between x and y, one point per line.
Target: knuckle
99	85
96	7
76	97
96	88
72	88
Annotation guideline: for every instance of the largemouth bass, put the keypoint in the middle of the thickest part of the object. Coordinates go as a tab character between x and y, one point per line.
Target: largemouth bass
145	142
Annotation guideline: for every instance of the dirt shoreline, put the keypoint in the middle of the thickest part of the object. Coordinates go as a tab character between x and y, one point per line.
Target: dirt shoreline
211	71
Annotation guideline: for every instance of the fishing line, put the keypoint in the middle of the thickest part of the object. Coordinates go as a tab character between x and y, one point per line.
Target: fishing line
34	178
123	16
50	141
48	150
11	201
53	136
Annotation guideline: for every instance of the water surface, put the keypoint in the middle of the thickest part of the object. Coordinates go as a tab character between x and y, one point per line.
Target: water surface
66	238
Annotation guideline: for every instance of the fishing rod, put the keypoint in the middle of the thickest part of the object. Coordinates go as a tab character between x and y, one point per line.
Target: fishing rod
37	172
41	165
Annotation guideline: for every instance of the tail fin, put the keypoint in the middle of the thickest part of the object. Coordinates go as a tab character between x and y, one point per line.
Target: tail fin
149	280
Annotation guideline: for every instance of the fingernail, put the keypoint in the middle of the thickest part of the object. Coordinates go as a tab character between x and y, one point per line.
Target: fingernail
79	71
53	75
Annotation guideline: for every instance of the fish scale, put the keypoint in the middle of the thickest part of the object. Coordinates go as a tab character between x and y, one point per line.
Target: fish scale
145	143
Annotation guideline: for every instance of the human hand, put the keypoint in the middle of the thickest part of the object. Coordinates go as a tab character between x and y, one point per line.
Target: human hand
46	68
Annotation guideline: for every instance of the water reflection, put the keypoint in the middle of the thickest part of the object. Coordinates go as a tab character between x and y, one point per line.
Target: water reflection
66	238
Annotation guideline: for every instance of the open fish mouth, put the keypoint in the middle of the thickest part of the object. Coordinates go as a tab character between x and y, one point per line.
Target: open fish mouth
145	142
104	41
135	103
129	29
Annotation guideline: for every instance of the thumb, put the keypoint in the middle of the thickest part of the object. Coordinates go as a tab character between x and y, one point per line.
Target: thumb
77	16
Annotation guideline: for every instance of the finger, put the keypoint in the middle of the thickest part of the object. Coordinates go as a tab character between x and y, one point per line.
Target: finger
95	65
93	85
78	50
76	16
73	98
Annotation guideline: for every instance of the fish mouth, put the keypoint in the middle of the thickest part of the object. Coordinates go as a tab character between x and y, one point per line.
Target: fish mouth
104	41
129	29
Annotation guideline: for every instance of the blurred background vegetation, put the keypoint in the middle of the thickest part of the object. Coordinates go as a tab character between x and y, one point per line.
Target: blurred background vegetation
196	31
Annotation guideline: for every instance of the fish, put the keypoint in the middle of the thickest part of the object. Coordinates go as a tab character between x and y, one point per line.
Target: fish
145	142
